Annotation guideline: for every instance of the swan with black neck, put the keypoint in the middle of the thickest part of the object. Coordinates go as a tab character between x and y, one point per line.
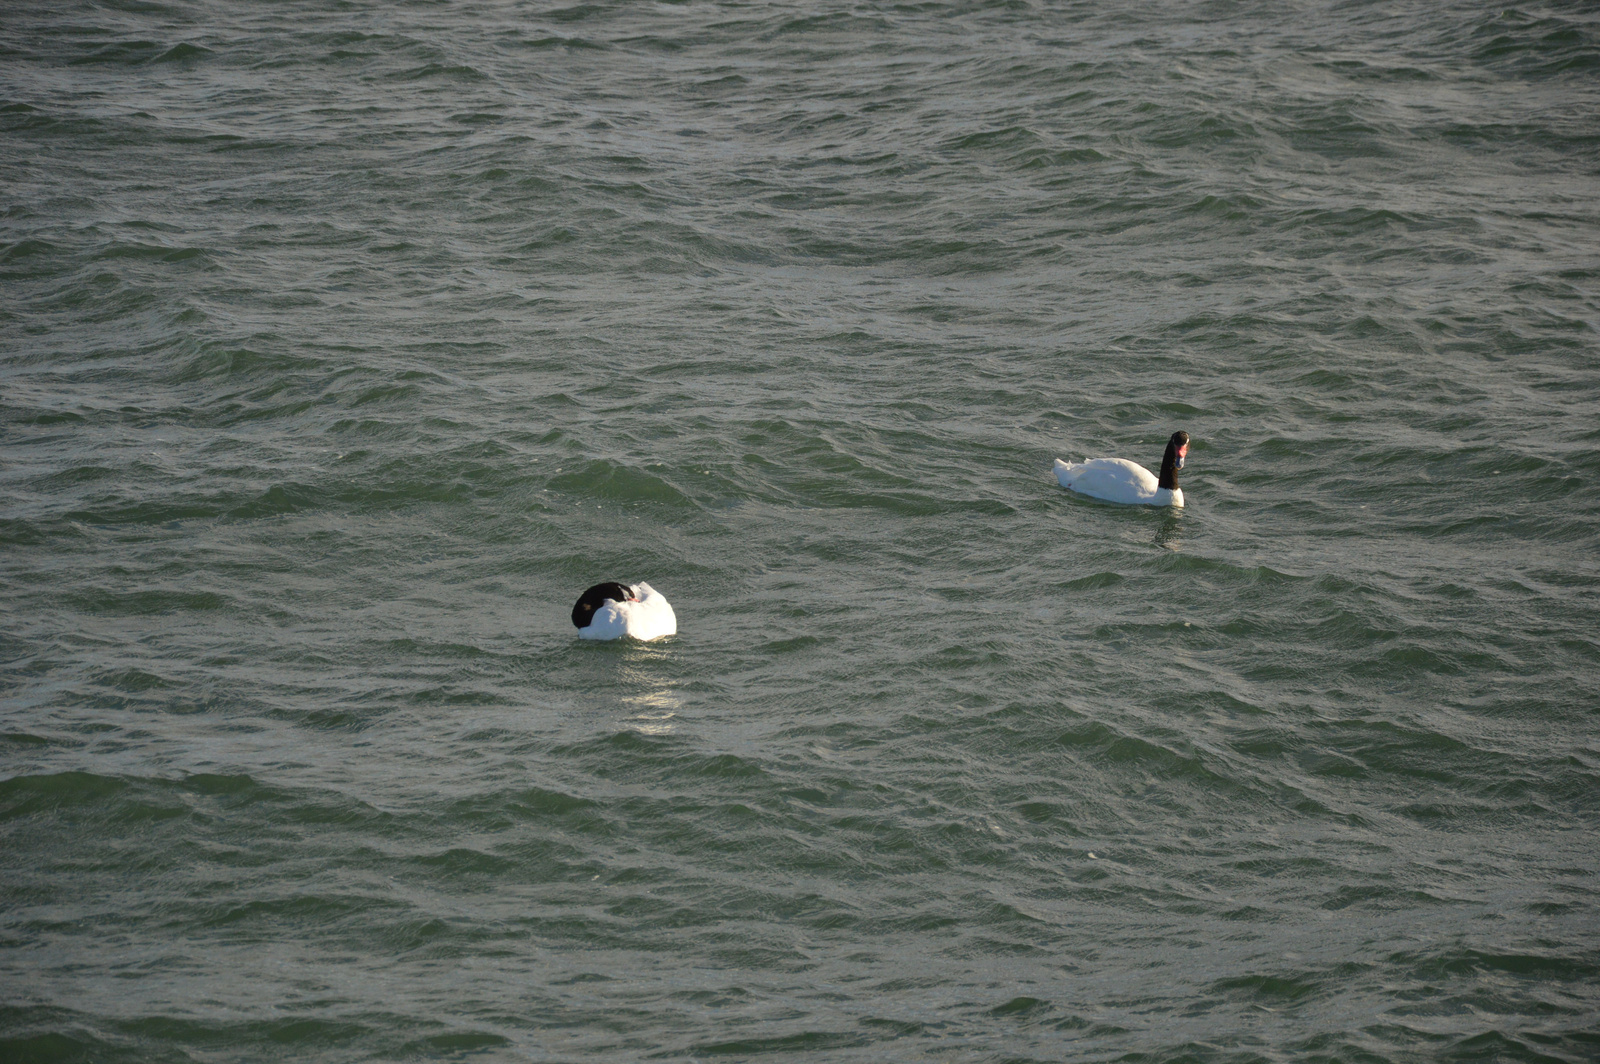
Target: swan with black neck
1119	480
612	610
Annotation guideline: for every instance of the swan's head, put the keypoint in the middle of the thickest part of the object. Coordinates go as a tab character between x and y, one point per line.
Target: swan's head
1172	461
1178	447
596	597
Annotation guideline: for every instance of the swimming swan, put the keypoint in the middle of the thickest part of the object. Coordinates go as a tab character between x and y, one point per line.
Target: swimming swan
612	610
1119	480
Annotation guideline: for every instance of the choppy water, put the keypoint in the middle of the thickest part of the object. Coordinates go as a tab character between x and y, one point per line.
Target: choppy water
345	343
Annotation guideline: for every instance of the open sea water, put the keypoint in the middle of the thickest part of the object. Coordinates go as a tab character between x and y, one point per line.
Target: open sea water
342	344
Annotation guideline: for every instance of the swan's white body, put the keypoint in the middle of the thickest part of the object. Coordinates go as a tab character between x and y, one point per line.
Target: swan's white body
1116	480
649	617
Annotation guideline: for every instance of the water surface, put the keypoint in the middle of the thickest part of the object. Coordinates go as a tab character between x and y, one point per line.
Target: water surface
345	344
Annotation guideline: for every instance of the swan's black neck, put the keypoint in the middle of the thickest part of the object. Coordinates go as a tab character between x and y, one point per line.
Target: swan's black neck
1169	461
595	597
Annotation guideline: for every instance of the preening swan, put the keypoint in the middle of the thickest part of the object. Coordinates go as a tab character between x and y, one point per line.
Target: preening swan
1119	480
612	610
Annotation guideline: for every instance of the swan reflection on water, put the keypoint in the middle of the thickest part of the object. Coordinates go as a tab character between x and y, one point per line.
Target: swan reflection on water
1167	535
653	712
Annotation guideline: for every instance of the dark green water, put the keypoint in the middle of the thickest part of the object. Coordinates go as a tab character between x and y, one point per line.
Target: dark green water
342	345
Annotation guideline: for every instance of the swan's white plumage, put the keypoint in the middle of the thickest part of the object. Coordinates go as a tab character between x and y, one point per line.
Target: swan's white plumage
650	617
1116	480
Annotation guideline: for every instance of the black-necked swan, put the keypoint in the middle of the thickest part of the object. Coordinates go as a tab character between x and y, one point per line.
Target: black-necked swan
1119	480
612	610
